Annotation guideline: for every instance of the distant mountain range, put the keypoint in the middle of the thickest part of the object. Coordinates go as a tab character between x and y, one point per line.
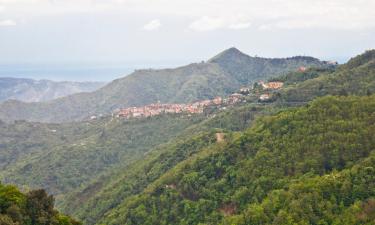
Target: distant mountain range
28	90
221	75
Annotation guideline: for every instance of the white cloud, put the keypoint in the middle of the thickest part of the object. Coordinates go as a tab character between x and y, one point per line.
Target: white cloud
152	25
265	27
206	24
239	26
7	23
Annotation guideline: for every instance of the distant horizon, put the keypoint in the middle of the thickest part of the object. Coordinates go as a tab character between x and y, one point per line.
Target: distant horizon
73	71
103	71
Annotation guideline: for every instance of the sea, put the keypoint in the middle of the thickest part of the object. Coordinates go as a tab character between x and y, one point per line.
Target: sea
74	71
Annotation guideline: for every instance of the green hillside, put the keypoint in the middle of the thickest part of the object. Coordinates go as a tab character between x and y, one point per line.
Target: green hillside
34	208
220	76
61	157
278	159
357	77
92	201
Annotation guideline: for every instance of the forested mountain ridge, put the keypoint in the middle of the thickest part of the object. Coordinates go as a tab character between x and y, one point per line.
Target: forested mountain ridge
220	76
247	69
28	90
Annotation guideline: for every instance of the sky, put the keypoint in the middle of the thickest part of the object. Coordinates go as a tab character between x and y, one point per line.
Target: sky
161	33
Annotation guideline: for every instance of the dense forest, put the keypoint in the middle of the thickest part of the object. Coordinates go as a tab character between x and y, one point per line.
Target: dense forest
33	208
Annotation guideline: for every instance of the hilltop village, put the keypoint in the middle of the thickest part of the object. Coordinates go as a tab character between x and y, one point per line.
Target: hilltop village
196	107
157	108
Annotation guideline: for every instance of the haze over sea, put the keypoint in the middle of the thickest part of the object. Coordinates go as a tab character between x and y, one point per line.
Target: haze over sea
103	72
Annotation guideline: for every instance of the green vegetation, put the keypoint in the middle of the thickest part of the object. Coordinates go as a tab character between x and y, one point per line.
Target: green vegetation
300	76
345	197
33	208
248	69
333	136
354	78
220	76
60	158
92	201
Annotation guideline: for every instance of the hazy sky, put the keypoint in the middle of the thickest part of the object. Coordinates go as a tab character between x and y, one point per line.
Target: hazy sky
180	31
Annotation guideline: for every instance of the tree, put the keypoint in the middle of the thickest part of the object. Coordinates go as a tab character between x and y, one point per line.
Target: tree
39	207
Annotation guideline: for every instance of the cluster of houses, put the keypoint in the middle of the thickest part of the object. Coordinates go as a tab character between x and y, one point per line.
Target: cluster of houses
191	108
157	108
195	107
269	86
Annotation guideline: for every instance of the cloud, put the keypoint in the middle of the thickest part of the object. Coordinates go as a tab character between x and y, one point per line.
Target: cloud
289	25
239	26
152	25
206	24
7	23
297	23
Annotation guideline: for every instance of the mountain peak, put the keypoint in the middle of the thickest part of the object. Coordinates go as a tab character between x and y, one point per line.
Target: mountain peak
227	54
232	50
